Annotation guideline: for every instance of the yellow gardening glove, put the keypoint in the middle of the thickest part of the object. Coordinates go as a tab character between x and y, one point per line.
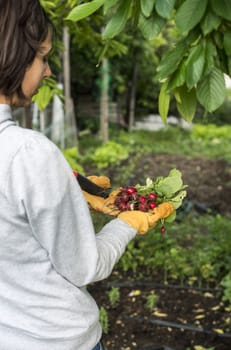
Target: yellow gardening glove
100	204
144	221
101	181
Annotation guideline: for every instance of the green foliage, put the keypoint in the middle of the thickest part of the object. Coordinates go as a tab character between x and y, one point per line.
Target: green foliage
185	21
211	90
186	102
117	23
46	93
84	10
108	154
150	27
163	103
104	320
73	158
196	250
213	140
147	7
221	116
114	296
226	284
169	188
207	140
151	301
211	131
192	69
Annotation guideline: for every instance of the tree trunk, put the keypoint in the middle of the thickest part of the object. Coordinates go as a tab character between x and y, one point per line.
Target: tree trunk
104	101
132	101
70	121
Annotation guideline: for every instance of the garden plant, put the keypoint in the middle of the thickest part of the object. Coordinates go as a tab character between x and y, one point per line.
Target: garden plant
177	285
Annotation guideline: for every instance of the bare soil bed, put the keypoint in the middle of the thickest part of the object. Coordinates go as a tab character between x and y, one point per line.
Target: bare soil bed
184	317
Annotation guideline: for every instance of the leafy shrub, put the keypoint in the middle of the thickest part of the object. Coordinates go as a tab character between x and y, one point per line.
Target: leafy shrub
72	157
114	296
104	320
226	284
151	301
108	154
211	132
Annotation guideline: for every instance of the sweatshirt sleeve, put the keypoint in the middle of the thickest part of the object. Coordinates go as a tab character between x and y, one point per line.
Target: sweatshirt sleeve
46	194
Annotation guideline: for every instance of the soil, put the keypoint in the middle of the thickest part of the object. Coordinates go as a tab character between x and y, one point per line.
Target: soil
184	318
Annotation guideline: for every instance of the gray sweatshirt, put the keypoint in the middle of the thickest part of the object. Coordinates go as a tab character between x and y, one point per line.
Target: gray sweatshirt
49	251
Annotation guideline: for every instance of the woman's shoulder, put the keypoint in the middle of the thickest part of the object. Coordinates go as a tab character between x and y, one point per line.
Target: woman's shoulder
28	138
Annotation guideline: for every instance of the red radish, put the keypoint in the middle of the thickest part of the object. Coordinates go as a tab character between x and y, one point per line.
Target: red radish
152	205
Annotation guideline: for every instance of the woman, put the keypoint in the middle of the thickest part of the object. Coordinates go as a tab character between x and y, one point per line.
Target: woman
49	251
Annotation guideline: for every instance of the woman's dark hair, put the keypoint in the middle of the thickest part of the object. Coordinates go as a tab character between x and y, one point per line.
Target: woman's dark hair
24	25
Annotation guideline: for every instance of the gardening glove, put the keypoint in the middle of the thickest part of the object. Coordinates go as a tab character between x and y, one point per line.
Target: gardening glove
144	221
100	204
101	181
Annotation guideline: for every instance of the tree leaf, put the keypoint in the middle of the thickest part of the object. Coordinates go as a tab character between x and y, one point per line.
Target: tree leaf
222	8
163	102
147	7
84	10
189	14
211	91
43	97
186	102
165	8
108	5
171	60
178	77
195	65
118	21
229	66
227	42
210	54
210	22
151	27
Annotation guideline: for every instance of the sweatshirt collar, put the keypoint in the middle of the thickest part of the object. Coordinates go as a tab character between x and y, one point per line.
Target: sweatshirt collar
5	113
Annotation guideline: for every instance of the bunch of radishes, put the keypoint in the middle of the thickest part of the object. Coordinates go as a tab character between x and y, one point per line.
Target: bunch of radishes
129	199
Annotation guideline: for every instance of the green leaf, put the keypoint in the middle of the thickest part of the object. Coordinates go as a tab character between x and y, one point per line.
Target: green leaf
108	5
178	77
227	42
43	97
170	185
163	102
170	189
211	91
189	14
210	22
177	200
118	21
147	7
172	217
219	39
195	65
229	66
210	54
84	10
222	8
165	8
151	27
186	102
171	60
